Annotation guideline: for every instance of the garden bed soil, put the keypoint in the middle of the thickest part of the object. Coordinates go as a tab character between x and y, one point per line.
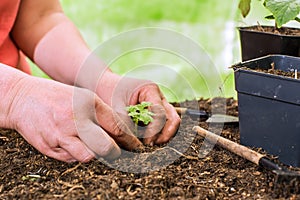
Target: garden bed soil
27	174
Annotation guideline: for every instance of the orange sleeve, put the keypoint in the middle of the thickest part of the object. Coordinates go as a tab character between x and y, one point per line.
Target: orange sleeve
9	53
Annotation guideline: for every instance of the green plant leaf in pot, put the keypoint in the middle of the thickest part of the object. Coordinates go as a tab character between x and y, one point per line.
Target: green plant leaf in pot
283	10
244	7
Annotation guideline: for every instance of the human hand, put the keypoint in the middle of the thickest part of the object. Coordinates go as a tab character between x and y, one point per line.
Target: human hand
125	91
65	122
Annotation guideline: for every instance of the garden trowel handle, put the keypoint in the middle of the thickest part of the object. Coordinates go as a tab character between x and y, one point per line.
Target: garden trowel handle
249	154
233	147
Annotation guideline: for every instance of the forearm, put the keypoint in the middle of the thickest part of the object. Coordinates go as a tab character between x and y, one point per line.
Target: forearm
64	56
61	53
9	87
53	42
50	39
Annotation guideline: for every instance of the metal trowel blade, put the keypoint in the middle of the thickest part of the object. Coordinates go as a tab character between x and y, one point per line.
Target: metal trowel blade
220	118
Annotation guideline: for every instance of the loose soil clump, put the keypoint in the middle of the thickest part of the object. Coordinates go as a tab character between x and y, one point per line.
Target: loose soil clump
27	174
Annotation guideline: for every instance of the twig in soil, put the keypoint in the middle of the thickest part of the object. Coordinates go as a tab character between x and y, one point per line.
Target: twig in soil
273	66
69	185
181	154
272	70
71	169
66	183
134	192
4	138
76	187
260	28
12	150
70	190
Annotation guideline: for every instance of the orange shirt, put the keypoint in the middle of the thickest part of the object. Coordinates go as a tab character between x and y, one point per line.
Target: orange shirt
9	53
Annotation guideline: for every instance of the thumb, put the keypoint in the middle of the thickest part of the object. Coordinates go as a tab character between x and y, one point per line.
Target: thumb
154	128
97	140
117	128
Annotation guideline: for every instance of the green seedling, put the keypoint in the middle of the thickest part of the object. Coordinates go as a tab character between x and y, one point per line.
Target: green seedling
31	177
282	11
140	114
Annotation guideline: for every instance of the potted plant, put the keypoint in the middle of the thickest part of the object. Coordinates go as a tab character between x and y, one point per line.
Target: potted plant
258	40
269	105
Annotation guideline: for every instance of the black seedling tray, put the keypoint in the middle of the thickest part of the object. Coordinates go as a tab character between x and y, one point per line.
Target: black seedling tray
269	107
256	44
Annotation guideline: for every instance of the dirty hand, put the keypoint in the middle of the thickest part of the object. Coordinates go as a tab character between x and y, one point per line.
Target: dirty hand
65	122
120	92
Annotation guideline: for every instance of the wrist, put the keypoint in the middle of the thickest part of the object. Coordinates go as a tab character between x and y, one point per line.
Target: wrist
107	86
10	87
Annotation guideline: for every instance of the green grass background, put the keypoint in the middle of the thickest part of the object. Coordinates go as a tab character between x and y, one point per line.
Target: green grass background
209	23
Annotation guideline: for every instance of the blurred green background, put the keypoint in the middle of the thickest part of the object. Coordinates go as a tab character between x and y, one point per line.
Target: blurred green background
211	24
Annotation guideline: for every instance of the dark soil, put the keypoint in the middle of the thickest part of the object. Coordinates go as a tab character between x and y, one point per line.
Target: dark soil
289	31
27	174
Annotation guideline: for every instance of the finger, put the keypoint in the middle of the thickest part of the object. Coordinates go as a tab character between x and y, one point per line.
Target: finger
54	152
98	141
126	120
150	92
65	148
171	126
77	149
116	127
61	154
155	127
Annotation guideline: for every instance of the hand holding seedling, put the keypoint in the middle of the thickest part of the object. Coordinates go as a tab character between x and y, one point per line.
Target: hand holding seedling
42	111
130	91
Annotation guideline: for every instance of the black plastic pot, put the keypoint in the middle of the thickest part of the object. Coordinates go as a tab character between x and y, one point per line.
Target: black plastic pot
269	107
256	44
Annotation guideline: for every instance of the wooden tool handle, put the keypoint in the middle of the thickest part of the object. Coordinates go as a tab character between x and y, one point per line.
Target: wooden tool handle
233	147
180	110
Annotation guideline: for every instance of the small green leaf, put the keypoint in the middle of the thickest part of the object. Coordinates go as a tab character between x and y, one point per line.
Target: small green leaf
145	104
244	7
283	10
140	113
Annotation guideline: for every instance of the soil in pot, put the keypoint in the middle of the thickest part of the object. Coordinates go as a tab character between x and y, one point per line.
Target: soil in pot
27	174
289	74
273	30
